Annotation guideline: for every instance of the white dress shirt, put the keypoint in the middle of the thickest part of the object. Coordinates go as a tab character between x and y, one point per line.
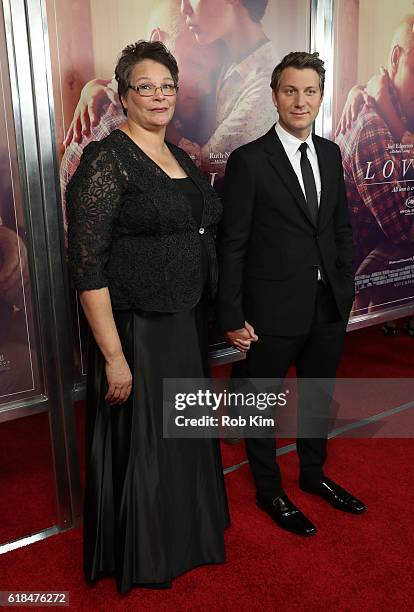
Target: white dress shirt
291	145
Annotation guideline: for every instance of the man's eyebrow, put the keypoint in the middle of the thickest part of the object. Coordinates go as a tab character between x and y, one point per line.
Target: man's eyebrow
294	87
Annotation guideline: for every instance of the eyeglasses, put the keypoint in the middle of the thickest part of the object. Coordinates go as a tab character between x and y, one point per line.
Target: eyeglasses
148	89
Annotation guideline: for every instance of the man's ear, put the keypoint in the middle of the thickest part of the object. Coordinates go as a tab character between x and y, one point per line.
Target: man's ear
158	35
395	58
274	97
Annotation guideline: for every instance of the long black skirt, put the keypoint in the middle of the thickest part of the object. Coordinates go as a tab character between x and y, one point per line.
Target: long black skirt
153	507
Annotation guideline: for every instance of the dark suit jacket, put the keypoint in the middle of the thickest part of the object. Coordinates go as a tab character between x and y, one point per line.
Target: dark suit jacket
269	248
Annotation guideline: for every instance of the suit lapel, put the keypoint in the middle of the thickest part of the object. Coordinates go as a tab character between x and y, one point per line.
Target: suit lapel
280	162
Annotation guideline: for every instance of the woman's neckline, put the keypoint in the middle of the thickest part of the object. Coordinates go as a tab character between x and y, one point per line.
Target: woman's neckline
150	158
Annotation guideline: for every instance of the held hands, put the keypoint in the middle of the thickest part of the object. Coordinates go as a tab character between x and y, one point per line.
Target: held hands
119	379
242	338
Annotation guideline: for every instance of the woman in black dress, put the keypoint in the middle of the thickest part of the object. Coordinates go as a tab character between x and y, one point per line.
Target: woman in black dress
141	223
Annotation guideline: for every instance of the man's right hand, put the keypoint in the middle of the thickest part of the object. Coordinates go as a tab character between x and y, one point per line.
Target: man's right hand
241	338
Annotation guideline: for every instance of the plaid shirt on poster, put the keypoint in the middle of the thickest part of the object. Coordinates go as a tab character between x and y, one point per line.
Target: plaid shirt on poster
110	120
377	212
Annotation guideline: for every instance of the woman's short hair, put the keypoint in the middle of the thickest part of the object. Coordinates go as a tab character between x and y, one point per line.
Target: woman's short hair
299	60
136	53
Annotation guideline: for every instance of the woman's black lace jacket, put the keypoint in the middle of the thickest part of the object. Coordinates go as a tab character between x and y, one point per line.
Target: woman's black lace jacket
131	230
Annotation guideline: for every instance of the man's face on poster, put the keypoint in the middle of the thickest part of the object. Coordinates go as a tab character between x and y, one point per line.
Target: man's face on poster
195	66
404	83
209	20
197	62
198	66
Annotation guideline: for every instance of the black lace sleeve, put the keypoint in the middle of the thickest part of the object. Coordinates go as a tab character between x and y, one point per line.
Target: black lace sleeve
93	203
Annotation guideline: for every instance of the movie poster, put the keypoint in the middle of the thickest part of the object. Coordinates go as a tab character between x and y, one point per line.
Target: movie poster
225	52
18	361
373	123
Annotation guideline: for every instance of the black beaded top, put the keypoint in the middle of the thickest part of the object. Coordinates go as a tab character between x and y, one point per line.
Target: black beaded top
133	229
190	190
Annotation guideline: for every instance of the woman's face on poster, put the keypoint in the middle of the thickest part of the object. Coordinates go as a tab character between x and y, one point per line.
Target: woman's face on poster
209	20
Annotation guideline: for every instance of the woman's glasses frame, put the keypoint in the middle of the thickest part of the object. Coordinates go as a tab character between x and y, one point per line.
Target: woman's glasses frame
148	90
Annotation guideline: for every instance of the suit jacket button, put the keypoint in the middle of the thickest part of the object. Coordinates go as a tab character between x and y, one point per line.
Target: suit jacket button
201	230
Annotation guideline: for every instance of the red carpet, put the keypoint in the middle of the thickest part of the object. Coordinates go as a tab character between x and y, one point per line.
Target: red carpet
368	354
353	561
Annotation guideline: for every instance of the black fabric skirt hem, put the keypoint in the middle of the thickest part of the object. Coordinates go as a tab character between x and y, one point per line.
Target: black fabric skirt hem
154	507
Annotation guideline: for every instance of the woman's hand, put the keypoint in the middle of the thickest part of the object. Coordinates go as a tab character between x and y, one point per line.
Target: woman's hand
96	304
379	95
119	377
378	88
354	102
95	98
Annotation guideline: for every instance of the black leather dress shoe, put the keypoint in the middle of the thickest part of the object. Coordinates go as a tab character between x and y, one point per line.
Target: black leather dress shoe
336	496
286	515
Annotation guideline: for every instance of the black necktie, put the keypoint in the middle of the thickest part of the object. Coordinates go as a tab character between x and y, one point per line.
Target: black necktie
309	183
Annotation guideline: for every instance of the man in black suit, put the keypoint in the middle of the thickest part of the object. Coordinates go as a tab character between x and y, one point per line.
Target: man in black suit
286	282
